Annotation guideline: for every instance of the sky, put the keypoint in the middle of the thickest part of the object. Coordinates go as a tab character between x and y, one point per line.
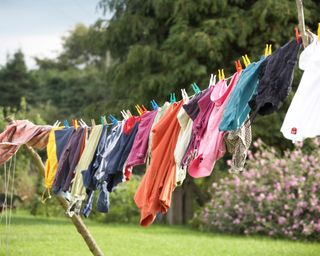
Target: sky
36	26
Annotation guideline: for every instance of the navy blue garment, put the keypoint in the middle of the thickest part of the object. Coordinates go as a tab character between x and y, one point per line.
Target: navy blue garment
62	138
69	159
103	198
192	107
276	78
118	157
89	183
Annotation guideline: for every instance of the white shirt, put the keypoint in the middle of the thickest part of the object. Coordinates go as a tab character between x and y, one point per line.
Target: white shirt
303	117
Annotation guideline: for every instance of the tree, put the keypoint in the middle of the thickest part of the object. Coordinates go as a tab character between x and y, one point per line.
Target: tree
16	82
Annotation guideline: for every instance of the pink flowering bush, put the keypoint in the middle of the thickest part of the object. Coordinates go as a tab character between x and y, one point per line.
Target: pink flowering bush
275	196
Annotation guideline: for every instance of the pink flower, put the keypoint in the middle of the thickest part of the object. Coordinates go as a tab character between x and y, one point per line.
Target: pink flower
281	220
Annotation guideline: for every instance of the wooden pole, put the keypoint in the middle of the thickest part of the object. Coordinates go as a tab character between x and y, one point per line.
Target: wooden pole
76	220
302	26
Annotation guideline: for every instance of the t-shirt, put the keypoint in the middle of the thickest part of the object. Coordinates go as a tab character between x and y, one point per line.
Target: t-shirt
139	149
237	108
302	119
155	190
211	147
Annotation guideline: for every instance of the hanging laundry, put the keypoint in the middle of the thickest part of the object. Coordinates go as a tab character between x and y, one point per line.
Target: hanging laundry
238	143
112	140
161	112
211	146
52	159
68	161
237	108
88	176
22	132
78	193
276	78
139	149
62	138
155	190
184	137
201	111
118	156
302	119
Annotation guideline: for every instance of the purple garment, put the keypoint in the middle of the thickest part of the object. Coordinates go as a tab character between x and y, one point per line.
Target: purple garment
68	161
192	107
138	153
199	126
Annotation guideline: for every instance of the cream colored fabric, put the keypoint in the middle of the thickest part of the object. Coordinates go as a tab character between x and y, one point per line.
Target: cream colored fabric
78	192
183	141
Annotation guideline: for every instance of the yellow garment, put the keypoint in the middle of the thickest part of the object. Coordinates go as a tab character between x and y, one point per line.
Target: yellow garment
52	161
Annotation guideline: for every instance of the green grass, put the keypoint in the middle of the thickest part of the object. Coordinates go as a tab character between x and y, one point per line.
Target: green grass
57	236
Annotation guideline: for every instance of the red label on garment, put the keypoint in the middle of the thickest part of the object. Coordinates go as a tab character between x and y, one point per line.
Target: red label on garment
294	130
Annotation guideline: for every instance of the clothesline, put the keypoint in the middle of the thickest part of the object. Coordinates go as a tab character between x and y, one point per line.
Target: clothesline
182	137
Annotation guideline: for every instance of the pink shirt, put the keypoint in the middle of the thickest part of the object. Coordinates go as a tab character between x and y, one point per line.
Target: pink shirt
211	147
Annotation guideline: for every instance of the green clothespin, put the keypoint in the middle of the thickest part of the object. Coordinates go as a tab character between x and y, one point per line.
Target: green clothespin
196	88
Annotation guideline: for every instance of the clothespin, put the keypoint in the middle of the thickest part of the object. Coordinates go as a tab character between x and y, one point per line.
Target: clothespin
66	124
319	31
221	74
196	87
113	119
154	104
246	60
129	113
144	109
212	80
238	65
173	97
139	110
266	51
298	35
93	123
101	120
270	49
76	124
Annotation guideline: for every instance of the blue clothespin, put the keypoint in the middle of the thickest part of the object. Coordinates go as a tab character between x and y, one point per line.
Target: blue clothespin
154	104
196	88
173	97
66	124
113	119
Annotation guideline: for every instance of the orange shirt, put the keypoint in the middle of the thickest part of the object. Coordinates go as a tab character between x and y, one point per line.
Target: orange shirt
155	190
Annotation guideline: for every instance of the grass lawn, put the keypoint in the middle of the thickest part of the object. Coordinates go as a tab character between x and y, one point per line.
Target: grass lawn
57	236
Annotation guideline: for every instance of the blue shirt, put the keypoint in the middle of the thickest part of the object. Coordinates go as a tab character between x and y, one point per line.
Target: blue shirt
238	109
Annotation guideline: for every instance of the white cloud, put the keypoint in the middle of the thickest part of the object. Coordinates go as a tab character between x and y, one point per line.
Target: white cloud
44	45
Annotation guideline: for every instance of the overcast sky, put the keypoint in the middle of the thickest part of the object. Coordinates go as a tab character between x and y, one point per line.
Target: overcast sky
36	26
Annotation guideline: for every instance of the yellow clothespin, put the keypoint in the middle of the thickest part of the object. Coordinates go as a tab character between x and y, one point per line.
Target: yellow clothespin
245	61
222	74
319	31
270	49
138	109
248	60
76	124
219	74
266	51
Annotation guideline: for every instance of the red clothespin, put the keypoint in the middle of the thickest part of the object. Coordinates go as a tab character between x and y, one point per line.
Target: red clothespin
238	65
298	35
